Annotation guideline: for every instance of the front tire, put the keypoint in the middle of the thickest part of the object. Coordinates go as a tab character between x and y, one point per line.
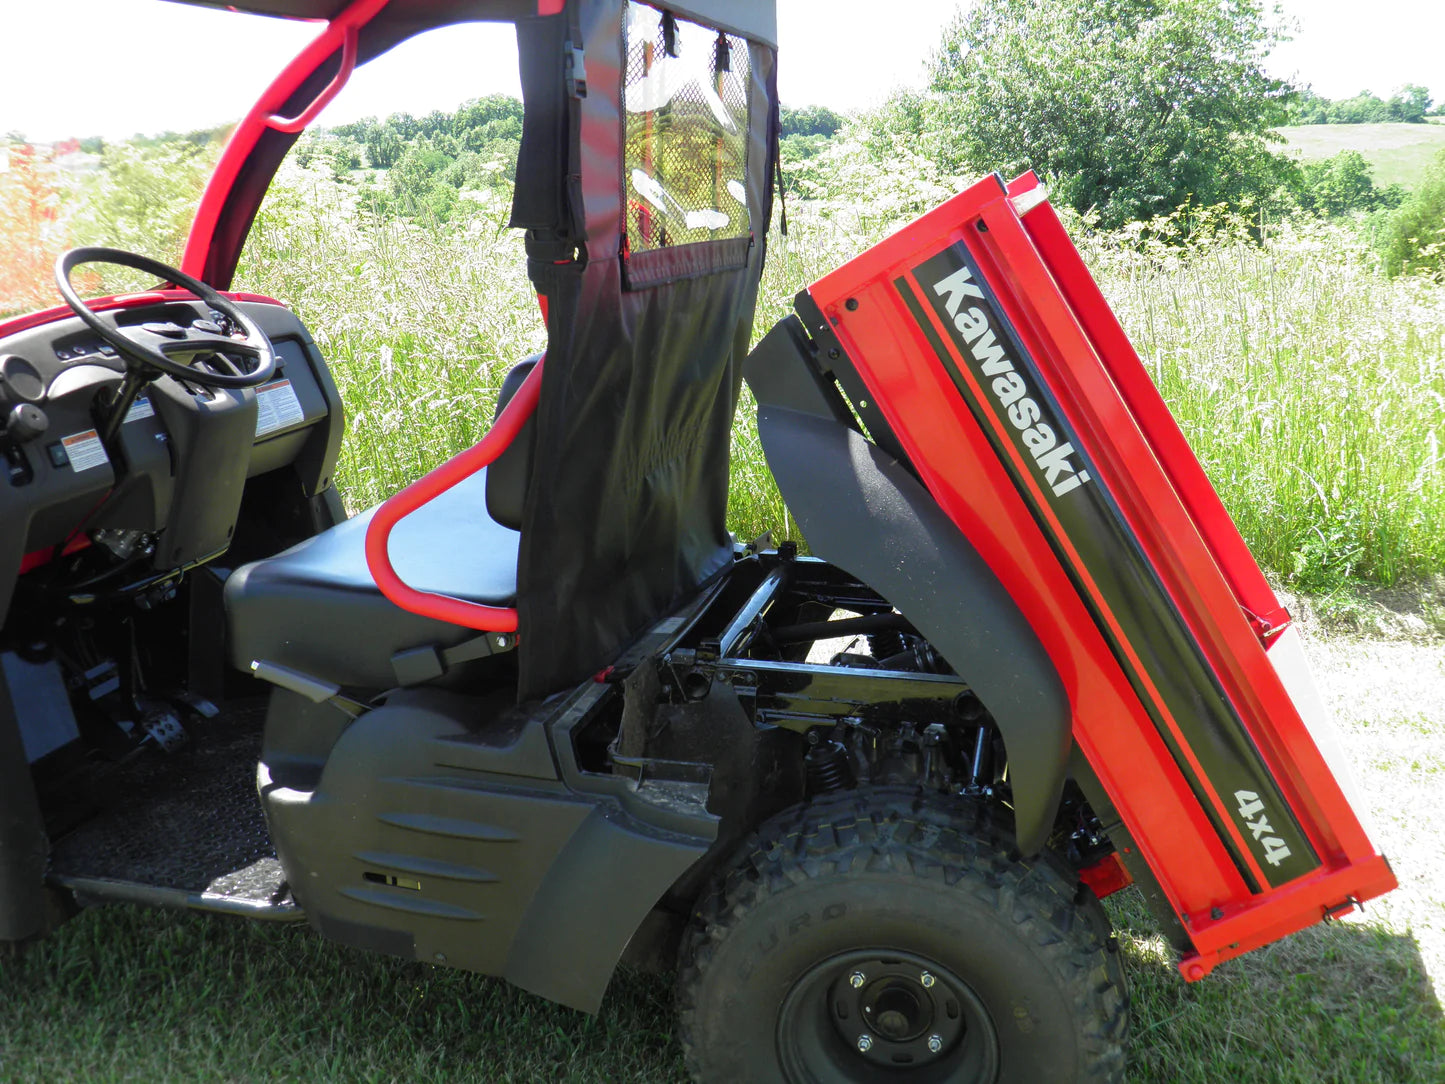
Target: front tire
888	935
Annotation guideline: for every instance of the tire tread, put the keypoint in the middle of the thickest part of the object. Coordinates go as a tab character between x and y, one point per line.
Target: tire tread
962	845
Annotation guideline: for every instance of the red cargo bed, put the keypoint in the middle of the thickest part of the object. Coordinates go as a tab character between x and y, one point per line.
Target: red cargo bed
1007	381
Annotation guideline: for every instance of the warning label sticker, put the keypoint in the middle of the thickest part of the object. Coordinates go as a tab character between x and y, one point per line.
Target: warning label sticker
141	408
84	450
277	407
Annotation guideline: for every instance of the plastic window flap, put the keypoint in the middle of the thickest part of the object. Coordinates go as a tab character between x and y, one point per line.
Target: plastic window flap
686	111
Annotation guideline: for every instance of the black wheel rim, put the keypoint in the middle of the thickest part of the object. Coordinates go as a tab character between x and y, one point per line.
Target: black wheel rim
873	1015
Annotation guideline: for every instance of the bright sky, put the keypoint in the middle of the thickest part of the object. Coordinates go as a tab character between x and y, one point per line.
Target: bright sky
117	67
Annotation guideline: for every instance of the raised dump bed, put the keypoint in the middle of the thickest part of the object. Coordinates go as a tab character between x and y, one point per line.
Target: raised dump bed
987	360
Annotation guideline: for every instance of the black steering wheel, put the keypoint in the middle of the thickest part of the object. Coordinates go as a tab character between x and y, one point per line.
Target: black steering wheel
149	346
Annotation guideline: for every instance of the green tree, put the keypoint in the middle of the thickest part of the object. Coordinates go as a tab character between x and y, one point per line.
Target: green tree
1307	107
1342	184
383	146
1410	104
810	120
1130	107
1363	108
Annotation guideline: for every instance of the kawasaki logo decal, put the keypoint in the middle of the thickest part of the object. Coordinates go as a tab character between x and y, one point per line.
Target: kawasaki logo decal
1053	460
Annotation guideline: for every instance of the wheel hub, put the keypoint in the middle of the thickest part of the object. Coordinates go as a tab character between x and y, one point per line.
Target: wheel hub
876	1016
897	1012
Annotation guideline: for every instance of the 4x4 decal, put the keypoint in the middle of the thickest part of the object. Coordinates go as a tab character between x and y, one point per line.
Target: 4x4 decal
1251	811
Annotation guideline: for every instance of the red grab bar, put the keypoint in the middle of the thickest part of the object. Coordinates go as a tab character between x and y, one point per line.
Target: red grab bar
340	32
471	615
292	125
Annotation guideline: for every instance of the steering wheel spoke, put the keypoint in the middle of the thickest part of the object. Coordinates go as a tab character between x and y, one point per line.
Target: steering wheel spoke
224	344
148	340
199	342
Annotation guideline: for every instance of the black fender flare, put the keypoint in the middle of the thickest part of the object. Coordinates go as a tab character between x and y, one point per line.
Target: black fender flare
864	512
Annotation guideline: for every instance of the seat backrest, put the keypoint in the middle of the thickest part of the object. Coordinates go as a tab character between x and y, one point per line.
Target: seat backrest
508	474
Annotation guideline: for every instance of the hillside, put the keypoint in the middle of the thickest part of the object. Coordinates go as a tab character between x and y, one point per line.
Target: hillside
1399	153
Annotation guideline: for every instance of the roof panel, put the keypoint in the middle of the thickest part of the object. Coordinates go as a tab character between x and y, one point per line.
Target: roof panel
752	18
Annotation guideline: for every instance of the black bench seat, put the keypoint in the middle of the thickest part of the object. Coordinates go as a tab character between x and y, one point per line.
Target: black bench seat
316	609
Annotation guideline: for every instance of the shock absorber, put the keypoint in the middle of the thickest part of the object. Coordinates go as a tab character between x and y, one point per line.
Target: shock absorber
886	644
827	768
920	658
980	768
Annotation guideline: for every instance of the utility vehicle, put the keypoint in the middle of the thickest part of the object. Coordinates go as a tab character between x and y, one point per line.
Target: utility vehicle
539	712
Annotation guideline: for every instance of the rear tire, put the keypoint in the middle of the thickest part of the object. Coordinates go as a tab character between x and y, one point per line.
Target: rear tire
887	935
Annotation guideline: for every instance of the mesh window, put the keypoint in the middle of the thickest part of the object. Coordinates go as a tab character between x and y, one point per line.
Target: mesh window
685	105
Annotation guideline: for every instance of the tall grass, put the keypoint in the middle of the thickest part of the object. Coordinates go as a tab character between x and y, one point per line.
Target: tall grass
420	325
1311	386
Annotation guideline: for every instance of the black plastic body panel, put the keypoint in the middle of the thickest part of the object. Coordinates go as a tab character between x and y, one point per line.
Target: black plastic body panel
206	433
313	445
436	827
23	844
863	511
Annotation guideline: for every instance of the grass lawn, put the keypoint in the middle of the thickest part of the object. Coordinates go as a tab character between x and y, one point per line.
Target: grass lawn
1398	153
124	994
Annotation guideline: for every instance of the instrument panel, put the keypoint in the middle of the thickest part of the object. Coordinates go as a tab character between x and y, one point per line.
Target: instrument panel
176	466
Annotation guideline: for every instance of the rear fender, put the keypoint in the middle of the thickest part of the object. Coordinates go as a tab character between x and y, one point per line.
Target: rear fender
864	512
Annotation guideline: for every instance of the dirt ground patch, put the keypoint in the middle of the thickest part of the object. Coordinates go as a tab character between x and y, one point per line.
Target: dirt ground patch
1388	697
1357	1000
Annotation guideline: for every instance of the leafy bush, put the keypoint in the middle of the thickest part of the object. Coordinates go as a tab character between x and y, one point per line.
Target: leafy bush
1413	238
143	199
874	175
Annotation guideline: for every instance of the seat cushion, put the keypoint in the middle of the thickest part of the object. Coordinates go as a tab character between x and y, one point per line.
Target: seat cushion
315	607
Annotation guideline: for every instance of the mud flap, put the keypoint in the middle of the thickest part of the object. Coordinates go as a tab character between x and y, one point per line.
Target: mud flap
862	511
23	844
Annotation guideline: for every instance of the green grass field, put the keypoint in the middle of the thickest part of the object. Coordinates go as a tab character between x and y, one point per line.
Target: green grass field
1399	153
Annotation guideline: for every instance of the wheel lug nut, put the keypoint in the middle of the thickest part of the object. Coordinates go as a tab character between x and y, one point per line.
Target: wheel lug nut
857	979
927	979
865	1043
935	1043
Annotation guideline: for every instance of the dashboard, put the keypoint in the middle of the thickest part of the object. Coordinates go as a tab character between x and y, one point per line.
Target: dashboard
175	470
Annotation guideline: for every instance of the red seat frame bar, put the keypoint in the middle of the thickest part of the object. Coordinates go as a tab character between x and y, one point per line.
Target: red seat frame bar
472	615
